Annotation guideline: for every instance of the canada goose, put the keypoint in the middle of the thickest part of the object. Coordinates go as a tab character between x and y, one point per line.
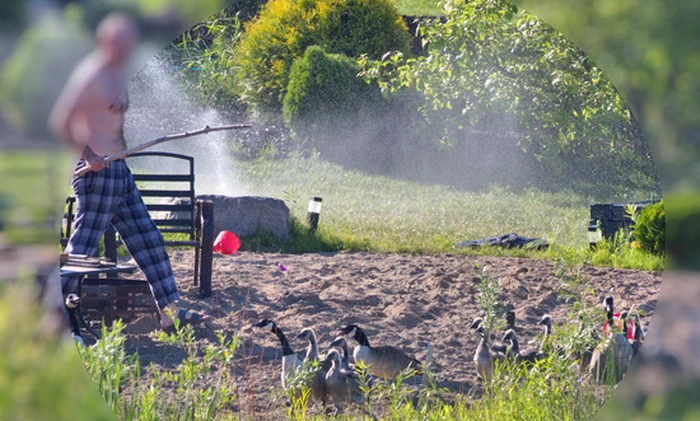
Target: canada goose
343	385
614	349
290	360
546	345
312	349
383	361
342	344
319	388
482	357
514	349
501	347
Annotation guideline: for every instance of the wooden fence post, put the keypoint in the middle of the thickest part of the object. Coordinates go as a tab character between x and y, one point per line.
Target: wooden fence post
207	248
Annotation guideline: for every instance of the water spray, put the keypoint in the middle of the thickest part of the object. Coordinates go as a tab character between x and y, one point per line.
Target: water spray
84	170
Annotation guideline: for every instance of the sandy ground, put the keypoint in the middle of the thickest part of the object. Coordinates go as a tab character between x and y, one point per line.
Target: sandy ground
401	300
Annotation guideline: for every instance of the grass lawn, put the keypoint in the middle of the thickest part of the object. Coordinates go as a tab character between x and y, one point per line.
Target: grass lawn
375	213
360	212
418	7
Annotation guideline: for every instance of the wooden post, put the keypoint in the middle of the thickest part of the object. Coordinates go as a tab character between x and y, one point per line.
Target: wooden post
207	248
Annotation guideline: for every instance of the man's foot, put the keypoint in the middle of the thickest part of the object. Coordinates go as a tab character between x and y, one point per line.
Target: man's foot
186	317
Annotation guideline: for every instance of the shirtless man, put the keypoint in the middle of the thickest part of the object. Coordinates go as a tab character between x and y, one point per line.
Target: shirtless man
89	116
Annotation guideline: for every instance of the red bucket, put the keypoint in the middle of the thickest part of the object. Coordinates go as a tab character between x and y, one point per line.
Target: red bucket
227	243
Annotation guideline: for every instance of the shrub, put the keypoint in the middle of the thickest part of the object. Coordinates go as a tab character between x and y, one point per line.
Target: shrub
324	96
286	28
650	228
683	229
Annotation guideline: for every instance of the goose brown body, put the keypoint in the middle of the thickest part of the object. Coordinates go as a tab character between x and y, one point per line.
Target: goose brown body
382	361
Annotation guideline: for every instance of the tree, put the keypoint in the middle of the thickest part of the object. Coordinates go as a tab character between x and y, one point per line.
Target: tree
492	70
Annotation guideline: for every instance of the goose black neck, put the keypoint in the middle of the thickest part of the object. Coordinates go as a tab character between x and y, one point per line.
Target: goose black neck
361	338
510	320
286	349
547	329
609	314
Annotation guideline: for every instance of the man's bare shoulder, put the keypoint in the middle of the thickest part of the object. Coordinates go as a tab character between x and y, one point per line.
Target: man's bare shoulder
86	75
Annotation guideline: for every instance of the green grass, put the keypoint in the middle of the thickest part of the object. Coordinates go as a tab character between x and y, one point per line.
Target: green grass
418	7
363	212
34	186
41	377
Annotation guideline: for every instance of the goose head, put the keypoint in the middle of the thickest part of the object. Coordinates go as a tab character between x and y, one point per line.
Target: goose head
340	343
608	303
334	356
307	334
510	336
267	324
476	324
349	330
546	321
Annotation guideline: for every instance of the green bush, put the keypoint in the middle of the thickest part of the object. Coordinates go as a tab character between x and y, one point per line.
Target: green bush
683	229
650	228
324	95
286	28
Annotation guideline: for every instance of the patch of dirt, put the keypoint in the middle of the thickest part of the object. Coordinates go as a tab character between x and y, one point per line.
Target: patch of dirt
407	301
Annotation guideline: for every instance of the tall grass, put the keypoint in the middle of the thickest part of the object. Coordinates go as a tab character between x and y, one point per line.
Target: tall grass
163	394
556	387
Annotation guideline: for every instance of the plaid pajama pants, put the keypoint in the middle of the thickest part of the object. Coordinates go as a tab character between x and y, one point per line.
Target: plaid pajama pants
110	196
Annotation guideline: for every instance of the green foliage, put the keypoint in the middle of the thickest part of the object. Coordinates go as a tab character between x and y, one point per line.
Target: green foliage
488	298
325	100
619	252
189	11
286	28
41	376
33	75
683	229
497	75
654	68
207	62
650	228
115	373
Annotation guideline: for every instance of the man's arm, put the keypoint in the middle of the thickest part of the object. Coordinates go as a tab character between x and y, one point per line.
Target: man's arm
72	99
75	99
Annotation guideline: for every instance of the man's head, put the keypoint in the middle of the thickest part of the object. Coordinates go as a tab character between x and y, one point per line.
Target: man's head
116	35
